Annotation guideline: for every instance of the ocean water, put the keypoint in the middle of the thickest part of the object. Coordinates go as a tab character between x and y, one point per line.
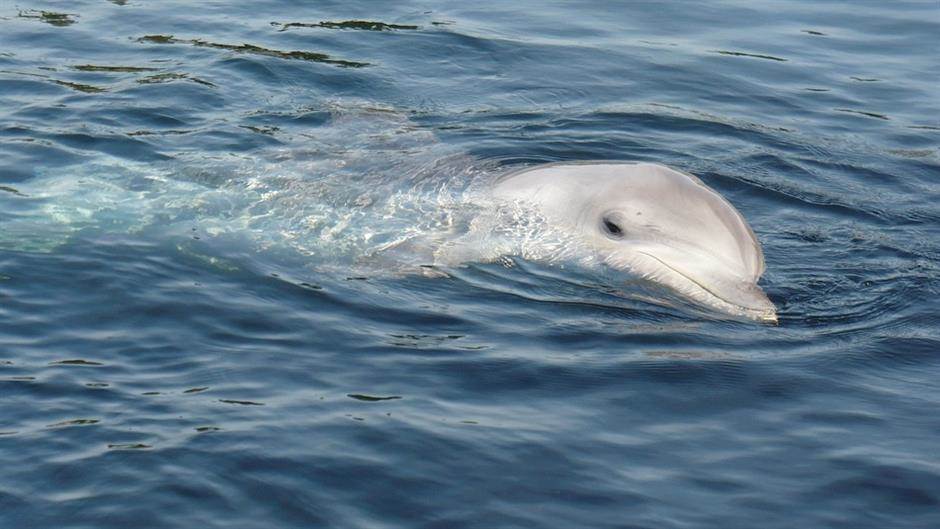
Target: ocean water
198	327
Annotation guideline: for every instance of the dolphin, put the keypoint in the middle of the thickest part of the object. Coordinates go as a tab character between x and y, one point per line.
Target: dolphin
652	222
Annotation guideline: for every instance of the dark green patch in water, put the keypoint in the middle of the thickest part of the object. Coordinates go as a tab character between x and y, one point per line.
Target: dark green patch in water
116	69
863	113
241	402
365	25
79	87
255	50
8	189
50	17
74	422
169	77
752	55
207	429
370	398
76	362
269	131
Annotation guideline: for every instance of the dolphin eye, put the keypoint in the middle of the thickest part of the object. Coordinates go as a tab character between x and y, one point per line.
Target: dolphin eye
612	228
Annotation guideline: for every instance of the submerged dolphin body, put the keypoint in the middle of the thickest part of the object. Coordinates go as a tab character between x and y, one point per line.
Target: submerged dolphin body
647	220
375	194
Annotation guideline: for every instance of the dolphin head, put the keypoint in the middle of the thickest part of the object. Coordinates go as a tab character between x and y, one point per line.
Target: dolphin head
656	223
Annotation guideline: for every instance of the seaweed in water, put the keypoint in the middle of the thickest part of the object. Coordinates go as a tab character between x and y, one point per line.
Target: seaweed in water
862	113
50	17
129	446
78	362
154	132
115	69
255	50
159	39
172	76
241	402
370	398
269	131
365	25
74	422
14	192
205	429
754	55
86	88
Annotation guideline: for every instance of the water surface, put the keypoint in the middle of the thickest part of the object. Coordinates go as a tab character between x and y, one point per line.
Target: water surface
188	339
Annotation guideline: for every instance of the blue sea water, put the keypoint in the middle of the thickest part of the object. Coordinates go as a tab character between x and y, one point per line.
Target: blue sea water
188	338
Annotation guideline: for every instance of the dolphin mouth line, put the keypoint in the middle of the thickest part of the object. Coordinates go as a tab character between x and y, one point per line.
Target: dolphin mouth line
766	316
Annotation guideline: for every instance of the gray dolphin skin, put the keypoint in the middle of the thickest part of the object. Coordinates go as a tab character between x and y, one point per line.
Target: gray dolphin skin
653	222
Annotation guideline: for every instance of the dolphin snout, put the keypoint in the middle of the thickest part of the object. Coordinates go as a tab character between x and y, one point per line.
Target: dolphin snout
756	300
710	282
747	296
